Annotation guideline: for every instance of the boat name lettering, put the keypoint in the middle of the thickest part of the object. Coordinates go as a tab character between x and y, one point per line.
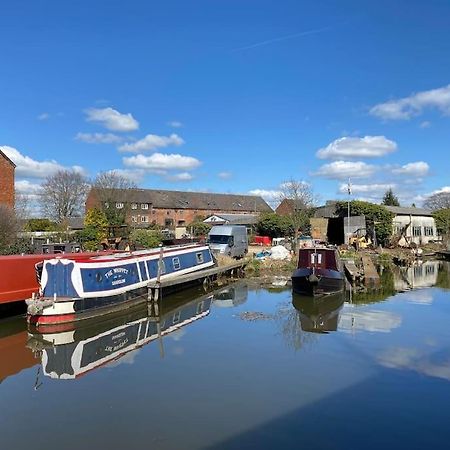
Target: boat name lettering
111	348
115	271
119	281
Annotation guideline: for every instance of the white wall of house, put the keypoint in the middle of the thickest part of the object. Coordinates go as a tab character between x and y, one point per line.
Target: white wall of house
422	229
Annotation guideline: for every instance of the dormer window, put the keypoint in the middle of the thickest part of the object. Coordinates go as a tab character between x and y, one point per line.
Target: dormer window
134	206
144	205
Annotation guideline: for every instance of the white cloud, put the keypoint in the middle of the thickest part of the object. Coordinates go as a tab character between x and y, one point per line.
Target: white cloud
224	175
370	190
183	176
28	167
160	161
175	124
339	170
414	169
112	119
408	107
26	187
152	142
355	147
43	116
425	124
268	195
98	138
135	175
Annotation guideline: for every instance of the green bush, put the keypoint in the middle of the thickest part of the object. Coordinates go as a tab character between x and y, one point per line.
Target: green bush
274	225
40	225
145	238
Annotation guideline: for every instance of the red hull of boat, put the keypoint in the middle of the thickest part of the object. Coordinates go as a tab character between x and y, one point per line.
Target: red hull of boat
18	275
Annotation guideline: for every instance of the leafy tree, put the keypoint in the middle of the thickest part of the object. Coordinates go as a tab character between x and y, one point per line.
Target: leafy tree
390	199
63	195
378	215
274	225
442	219
199	228
40	225
111	188
95	229
440	200
145	238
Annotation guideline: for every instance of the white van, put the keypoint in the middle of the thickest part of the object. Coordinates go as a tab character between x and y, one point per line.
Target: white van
230	240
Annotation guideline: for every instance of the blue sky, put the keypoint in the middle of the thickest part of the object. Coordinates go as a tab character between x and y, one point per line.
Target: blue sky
231	95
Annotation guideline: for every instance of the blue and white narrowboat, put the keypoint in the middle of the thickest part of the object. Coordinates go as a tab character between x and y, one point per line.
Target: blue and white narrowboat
74	289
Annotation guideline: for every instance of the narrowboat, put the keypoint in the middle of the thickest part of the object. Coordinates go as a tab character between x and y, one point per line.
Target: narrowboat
89	345
76	289
319	272
19	282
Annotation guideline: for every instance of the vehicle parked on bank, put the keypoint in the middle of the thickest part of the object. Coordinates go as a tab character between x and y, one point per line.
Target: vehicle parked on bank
230	240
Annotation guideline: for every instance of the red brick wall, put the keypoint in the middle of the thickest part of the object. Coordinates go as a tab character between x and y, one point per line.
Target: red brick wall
6	182
160	215
284	208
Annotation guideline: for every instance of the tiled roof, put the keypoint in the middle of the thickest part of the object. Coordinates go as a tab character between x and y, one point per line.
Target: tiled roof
411	211
194	200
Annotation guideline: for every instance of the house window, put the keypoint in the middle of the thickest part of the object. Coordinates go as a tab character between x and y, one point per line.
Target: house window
106	205
176	263
181	223
119	205
199	257
144	219
168	212
428	231
153	211
134	206
144	205
133	218
168	223
417	231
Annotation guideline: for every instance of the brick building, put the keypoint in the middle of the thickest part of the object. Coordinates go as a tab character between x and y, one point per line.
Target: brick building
170	209
7	168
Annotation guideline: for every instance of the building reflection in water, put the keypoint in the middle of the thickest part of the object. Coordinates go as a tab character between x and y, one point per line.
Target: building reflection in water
420	274
71	352
232	295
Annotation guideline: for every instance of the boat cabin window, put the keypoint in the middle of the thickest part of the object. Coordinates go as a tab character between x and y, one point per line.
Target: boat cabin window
176	263
316	258
176	317
199	257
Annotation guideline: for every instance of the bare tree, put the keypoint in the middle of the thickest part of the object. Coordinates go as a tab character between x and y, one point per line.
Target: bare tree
299	199
8	226
64	195
437	201
112	188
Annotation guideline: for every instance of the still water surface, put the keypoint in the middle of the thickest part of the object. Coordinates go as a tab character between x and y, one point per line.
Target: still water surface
241	367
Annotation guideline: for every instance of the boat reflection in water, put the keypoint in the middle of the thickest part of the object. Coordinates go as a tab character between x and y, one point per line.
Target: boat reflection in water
319	315
71	352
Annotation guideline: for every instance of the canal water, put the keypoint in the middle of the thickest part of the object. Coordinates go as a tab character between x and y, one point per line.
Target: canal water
241	367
